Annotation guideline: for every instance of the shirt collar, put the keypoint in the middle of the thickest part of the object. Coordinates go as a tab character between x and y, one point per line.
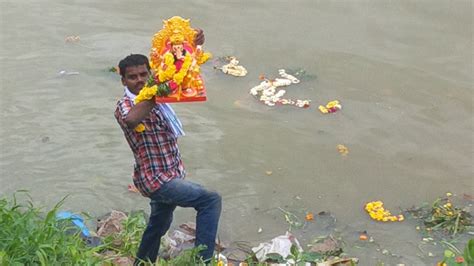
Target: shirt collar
129	94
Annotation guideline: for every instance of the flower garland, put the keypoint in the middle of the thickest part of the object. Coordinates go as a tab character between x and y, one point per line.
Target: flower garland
164	75
203	58
145	94
170	72
178	77
377	212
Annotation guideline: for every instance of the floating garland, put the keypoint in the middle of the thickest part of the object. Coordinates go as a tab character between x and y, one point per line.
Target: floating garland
378	213
330	107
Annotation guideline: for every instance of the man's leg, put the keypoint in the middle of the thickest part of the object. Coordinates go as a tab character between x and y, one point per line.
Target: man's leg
160	220
208	205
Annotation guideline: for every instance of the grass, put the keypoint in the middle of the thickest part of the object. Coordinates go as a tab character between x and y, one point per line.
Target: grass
29	238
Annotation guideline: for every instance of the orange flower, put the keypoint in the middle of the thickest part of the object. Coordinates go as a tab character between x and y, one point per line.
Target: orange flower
363	237
309	216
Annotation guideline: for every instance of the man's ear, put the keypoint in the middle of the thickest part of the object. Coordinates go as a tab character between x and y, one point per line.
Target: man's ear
123	81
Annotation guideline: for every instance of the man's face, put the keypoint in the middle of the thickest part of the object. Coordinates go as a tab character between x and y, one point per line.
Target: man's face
135	78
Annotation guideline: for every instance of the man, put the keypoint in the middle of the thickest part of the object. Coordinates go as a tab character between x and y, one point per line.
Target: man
159	172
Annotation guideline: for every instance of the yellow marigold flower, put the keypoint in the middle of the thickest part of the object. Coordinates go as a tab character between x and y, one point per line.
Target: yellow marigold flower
323	109
401	218
385	219
449	194
448	205
140	128
178	77
203	58
332	104
168	58
450	213
146	94
168	69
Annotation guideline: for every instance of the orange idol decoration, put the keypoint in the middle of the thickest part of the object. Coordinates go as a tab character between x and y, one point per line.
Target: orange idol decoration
175	61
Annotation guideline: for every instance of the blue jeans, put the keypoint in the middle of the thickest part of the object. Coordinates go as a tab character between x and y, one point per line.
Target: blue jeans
179	192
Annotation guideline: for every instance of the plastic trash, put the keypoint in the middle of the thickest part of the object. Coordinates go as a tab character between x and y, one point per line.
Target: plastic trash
280	245
67	73
76	219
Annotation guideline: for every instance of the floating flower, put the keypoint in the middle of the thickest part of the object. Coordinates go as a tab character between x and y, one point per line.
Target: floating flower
342	149
309	216
331	107
377	212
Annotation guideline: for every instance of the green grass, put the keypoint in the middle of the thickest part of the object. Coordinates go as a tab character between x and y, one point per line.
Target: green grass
27	237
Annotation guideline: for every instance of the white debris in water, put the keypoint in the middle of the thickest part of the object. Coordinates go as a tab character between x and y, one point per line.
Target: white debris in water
268	94
233	68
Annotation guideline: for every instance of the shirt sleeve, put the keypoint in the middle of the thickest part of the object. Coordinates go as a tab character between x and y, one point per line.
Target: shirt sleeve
123	108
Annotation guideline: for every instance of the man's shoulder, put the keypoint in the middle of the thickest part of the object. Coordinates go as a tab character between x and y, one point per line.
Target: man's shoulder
124	100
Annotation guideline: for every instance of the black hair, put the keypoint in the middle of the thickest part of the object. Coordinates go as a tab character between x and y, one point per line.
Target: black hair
133	60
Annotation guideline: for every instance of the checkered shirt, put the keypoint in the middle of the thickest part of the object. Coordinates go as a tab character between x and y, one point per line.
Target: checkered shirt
157	157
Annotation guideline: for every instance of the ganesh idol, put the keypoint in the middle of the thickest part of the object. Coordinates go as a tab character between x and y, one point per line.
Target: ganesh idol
175	59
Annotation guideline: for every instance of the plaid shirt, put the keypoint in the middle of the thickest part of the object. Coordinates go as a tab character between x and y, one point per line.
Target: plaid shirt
157	157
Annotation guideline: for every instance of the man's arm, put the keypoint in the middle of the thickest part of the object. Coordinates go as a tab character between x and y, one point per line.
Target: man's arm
139	112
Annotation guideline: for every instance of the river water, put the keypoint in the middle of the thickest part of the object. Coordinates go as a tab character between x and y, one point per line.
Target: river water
401	69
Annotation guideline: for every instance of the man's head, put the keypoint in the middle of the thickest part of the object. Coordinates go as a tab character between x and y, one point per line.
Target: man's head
135	71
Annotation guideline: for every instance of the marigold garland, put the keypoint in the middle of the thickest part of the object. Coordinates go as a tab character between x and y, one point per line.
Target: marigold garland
164	75
203	58
178	77
146	94
378	213
170	71
140	128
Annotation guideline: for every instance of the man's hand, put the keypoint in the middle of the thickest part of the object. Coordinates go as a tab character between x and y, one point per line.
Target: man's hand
199	39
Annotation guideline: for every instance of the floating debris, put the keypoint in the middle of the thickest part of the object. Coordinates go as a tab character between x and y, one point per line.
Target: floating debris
72	38
443	216
232	68
114	69
267	91
363	237
378	213
292	219
331	107
343	150
67	73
